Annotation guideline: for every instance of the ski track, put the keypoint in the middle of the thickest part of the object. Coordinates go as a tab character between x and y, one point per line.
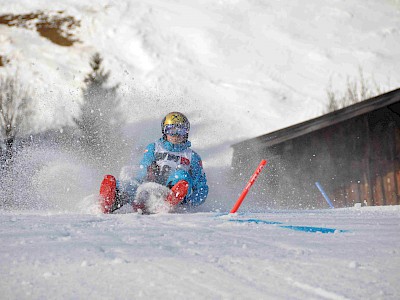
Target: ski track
199	255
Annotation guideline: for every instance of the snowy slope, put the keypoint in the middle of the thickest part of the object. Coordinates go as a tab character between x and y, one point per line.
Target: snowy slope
201	256
238	69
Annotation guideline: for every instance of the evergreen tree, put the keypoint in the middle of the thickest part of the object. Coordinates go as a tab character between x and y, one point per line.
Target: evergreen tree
101	118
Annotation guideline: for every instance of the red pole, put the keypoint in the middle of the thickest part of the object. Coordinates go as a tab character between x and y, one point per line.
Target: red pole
248	186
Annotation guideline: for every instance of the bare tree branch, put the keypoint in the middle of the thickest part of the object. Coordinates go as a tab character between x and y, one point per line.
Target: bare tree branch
16	109
356	91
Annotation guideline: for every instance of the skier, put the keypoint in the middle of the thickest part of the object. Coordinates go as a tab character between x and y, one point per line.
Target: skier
168	161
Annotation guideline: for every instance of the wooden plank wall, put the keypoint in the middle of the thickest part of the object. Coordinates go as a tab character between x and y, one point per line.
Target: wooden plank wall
357	160
378	180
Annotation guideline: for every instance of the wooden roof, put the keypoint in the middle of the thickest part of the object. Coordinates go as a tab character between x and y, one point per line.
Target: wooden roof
329	119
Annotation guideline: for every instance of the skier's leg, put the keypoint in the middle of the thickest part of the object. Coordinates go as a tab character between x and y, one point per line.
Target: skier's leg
178	192
180	183
127	190
108	193
178	175
116	193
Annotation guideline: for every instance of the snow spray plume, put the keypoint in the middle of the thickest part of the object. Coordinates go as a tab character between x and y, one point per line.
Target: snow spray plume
44	177
289	182
242	169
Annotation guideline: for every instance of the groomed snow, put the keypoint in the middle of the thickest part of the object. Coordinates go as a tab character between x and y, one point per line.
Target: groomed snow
47	255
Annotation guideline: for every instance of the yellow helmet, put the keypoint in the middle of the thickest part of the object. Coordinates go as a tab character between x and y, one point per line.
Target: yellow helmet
175	123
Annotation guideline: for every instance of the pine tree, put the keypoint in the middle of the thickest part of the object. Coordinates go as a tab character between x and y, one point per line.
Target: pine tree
101	118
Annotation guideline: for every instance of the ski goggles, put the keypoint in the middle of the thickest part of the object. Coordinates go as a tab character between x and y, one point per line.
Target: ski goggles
175	130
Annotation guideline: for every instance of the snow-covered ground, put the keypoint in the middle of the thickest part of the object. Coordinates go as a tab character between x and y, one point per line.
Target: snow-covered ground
46	255
238	69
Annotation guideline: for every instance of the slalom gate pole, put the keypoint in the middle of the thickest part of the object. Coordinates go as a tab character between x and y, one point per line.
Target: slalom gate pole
248	186
324	194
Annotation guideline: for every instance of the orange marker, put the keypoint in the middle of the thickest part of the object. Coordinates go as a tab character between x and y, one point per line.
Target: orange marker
248	186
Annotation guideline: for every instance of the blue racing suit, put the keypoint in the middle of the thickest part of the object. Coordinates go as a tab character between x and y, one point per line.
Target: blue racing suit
166	164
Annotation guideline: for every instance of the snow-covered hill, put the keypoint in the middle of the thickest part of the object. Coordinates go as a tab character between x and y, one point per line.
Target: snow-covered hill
238	68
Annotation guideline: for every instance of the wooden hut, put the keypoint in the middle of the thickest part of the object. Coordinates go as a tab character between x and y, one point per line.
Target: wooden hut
354	153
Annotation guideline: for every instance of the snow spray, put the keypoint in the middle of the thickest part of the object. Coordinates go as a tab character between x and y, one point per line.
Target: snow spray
248	186
324	194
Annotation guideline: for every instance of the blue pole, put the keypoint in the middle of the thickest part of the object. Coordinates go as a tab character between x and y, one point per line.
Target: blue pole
324	194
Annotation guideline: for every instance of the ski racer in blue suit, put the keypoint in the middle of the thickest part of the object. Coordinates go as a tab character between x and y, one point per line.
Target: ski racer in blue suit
170	160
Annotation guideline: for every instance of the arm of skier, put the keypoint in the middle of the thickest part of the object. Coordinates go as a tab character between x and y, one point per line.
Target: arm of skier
148	158
200	187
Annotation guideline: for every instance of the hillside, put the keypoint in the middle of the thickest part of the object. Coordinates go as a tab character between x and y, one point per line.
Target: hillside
238	68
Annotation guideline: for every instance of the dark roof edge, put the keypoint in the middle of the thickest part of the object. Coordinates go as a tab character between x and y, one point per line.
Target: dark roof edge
323	121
